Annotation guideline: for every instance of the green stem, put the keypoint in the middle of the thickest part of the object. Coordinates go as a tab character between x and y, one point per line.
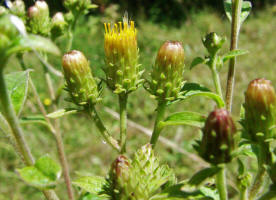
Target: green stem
161	108
243	193
106	135
215	75
221	183
235	28
123	121
12	119
71	31
264	158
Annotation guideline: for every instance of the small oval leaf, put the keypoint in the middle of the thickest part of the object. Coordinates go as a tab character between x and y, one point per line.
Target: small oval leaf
92	184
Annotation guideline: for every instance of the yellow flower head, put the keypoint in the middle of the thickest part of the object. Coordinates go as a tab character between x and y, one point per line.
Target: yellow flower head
120	40
121	51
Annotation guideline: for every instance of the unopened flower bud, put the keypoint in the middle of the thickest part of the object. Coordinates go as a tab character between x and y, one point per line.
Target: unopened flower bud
120	168
213	42
78	6
58	24
167	74
260	101
218	140
80	81
39	19
18	8
121	52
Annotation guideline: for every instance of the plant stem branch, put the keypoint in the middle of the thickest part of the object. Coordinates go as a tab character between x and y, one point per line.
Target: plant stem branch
58	138
243	193
235	29
221	183
264	158
123	121
215	75
106	135
161	108
23	147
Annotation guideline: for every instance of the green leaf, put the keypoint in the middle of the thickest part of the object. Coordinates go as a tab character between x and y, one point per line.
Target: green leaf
245	11
43	174
233	54
36	119
202	175
184	118
196	61
62	112
194	89
34	42
92	184
17	84
93	197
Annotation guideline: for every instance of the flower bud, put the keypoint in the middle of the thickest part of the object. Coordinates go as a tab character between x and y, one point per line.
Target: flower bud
167	74
78	6
121	52
218	140
260	101
120	168
213	42
58	25
18	8
39	19
80	81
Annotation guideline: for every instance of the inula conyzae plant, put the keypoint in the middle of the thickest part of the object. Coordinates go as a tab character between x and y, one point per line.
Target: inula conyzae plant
225	139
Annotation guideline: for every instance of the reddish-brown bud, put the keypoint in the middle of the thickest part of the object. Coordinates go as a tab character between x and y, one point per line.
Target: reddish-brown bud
260	101
167	73
218	140
120	168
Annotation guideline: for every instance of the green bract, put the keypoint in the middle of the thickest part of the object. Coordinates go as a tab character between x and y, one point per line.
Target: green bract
260	102
213	42
218	141
80	81
167	74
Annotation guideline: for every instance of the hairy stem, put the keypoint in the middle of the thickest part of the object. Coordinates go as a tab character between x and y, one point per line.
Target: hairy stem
12	119
264	158
106	135
221	183
123	121
58	138
215	75
161	108
235	29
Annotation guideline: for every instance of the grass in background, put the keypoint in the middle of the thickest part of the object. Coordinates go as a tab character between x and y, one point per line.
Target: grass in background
86	151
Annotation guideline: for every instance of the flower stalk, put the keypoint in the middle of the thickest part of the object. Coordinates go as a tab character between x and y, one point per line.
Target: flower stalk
221	182
235	28
123	121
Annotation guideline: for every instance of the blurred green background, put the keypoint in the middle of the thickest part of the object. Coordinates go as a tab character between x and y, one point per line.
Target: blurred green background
157	21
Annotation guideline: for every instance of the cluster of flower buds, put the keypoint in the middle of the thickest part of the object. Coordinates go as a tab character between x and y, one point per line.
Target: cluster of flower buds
121	56
78	6
80	82
167	74
260	102
39	19
213	42
218	140
58	25
18	8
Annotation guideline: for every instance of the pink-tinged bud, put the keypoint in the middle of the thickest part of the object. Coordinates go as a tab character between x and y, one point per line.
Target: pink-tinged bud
260	101
39	19
80	82
167	74
120	168
218	141
58	25
18	9
121	52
